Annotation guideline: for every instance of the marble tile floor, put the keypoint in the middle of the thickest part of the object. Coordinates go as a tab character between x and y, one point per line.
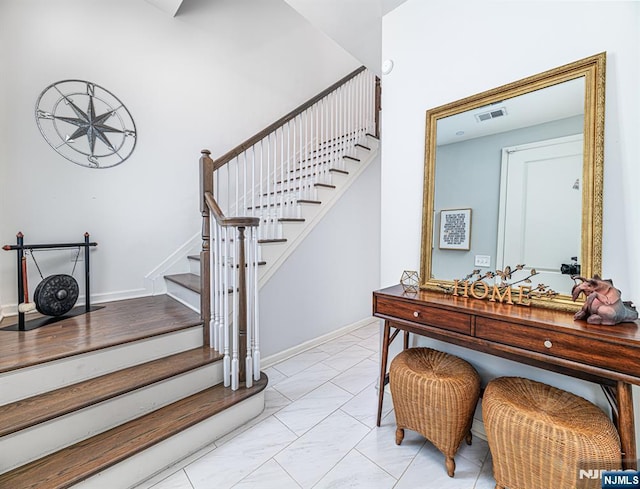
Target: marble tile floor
318	431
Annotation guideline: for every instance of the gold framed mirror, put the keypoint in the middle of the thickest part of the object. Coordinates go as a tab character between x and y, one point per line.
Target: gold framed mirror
479	155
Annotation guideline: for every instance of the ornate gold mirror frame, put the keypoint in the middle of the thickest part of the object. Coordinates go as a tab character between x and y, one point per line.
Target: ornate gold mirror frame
592	69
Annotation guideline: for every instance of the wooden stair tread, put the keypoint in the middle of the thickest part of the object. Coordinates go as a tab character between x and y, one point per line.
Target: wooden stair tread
189	280
117	323
278	204
275	240
44	407
73	464
197	258
295	189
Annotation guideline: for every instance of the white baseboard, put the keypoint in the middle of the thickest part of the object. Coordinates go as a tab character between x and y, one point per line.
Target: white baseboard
477	429
307	345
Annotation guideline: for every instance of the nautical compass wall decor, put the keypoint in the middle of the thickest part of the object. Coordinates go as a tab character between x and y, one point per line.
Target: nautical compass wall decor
86	123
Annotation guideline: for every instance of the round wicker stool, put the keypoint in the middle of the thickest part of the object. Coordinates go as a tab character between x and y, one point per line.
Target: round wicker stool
541	436
435	394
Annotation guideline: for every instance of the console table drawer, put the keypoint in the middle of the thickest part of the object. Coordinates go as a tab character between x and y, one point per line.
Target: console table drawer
420	313
615	356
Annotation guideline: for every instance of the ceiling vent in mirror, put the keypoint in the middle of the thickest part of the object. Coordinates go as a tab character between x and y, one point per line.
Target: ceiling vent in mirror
492	114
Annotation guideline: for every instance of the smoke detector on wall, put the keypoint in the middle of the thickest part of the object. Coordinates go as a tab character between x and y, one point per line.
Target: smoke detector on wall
491	114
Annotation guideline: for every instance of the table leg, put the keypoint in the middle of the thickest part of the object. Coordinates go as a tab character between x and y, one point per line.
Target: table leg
626	426
383	368
406	340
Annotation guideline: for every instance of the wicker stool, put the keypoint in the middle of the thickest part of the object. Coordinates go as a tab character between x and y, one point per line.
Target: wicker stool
435	394
541	436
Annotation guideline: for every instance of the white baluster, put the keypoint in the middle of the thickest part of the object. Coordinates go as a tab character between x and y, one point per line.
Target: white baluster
213	257
255	315
225	310
249	307
234	321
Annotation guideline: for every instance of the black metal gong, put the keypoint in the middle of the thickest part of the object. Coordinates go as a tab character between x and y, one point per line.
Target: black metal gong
56	295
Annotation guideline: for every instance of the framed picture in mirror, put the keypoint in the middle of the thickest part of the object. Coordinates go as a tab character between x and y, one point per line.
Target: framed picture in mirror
455	229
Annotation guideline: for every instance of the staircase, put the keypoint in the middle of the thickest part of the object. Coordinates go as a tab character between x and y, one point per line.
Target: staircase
286	233
106	399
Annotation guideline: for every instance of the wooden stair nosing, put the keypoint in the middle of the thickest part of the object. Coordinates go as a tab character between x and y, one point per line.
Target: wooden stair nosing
352	158
278	204
44	407
338	170
197	258
82	460
190	281
372	136
295	189
278	240
291	219
363	146
298	177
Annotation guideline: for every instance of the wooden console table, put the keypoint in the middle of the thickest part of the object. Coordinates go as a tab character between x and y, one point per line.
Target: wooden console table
552	340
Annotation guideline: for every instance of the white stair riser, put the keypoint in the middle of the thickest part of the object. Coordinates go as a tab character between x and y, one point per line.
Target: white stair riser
30	381
164	454
186	296
40	440
194	266
270	251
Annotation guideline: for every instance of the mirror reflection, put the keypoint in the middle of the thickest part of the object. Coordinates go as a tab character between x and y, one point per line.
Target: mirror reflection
513	176
517	164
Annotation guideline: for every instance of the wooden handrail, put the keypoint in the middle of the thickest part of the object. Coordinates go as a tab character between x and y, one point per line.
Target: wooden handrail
242	147
228	221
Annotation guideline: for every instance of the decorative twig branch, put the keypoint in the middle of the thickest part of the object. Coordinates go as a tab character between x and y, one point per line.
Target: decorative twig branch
540	291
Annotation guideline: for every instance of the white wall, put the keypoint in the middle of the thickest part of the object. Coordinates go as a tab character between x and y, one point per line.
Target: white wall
444	51
209	78
354	24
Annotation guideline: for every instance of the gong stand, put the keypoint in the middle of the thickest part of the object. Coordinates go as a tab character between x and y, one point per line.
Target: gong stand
20	247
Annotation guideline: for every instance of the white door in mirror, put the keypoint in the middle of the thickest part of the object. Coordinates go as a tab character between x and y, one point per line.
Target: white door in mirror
540	208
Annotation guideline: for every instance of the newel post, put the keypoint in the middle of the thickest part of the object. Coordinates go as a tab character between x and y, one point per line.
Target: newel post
206	186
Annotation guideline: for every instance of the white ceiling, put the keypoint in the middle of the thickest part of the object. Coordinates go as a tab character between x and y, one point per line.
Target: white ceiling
389	5
169	6
548	104
356	25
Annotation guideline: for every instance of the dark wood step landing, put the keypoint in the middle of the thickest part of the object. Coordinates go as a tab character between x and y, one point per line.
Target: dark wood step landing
85	459
119	322
189	281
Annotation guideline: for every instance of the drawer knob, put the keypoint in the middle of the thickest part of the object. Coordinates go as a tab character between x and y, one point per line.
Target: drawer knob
416	314
548	344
